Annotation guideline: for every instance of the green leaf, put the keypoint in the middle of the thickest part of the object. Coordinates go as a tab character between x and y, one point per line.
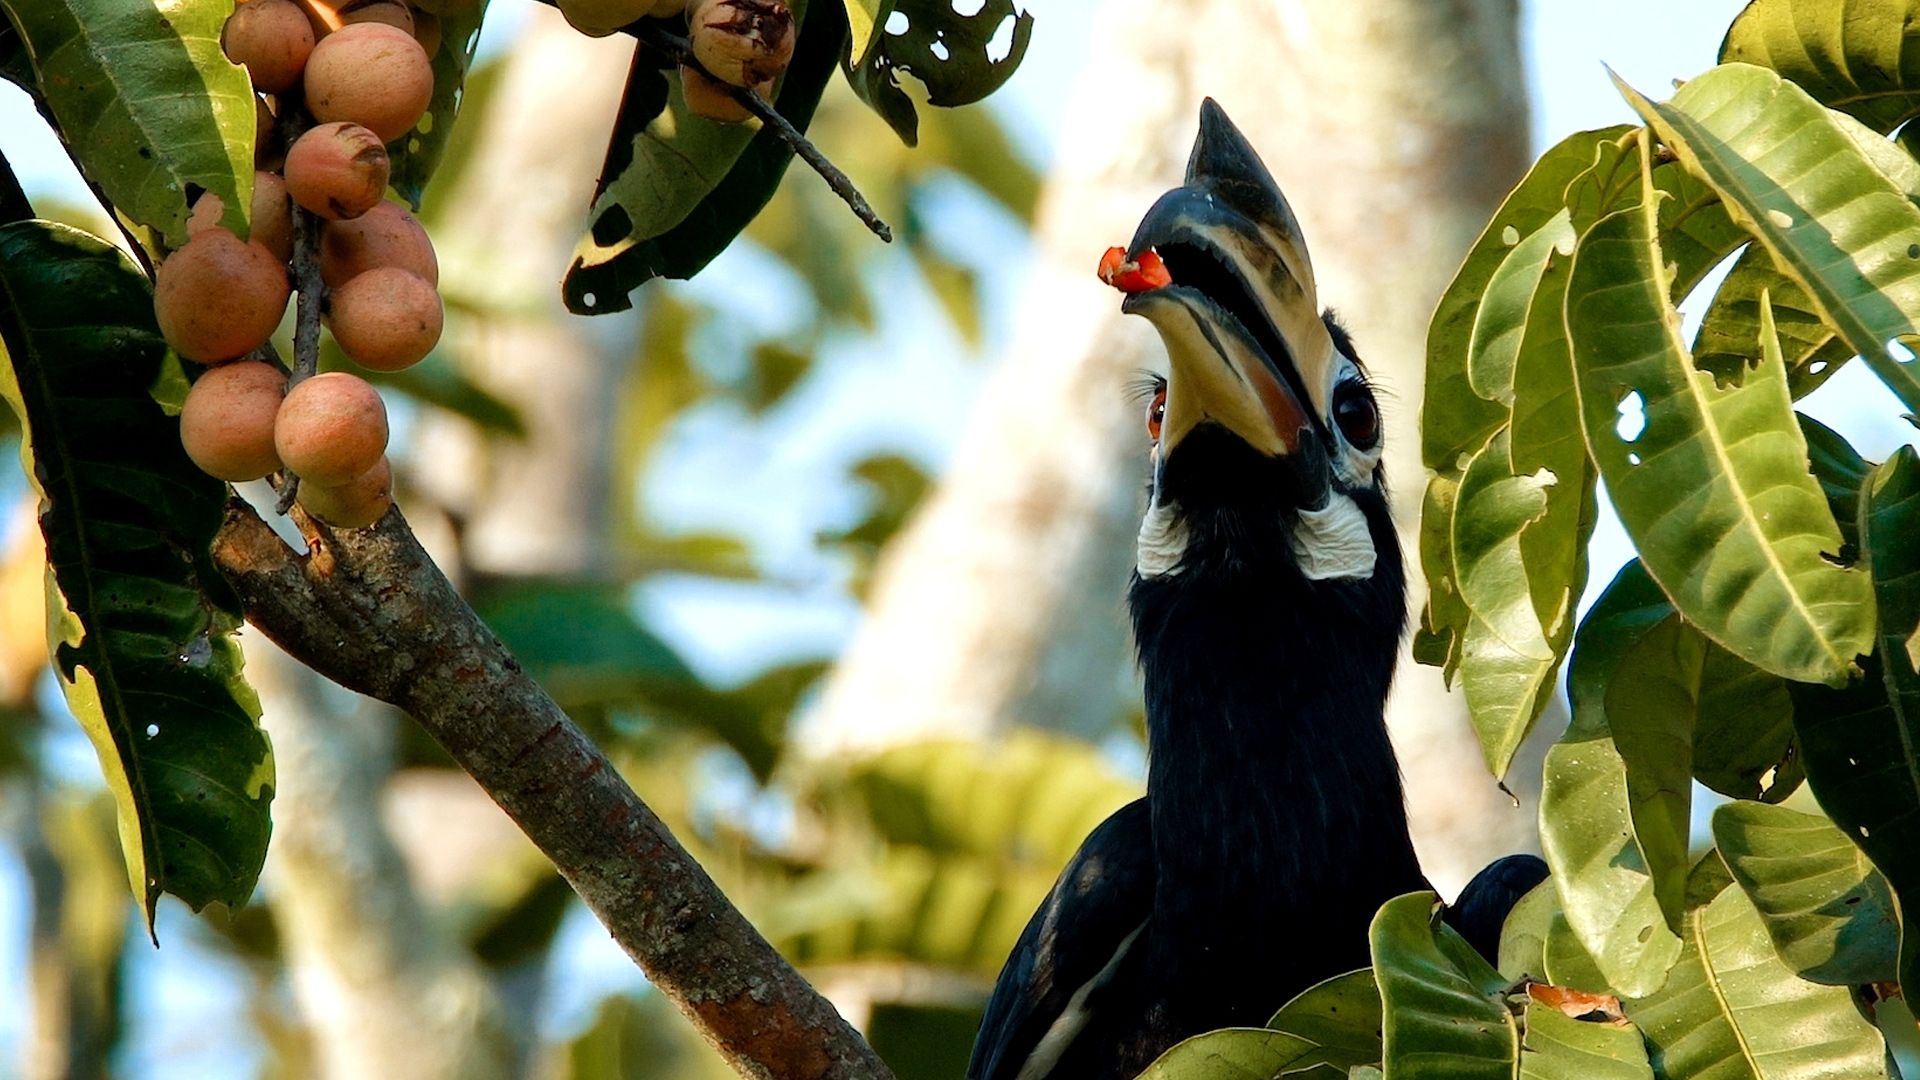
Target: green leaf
865	20
1713	485
1228	1054
1841	473
1819	202
1523	937
676	189
140	619
1731	1010
1445	1016
1568	962
1857	56
147	103
1862	743
1829	913
946	51
1729	336
1340	1017
417	154
1558	1047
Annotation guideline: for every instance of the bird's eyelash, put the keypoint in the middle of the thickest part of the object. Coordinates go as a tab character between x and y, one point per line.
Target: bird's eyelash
1142	385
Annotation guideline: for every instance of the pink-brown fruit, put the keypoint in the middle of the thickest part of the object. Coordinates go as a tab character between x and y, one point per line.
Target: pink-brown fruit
355	504
370	74
391	12
331	428
386	319
712	99
226	424
271	219
338	170
272	38
219	297
743	42
384	236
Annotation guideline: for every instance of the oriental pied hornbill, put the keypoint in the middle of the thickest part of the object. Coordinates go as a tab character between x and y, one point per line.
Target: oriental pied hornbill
1268	604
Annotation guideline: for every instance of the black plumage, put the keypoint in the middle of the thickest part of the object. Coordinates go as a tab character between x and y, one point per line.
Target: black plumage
1274	823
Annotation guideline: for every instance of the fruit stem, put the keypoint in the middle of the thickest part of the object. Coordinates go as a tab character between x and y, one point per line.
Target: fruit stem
675	48
311	290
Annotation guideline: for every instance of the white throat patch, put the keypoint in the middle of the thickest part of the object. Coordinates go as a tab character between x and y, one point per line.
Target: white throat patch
1163	540
1334	541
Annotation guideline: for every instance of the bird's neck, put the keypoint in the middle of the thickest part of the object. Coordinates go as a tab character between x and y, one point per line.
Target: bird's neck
1271	781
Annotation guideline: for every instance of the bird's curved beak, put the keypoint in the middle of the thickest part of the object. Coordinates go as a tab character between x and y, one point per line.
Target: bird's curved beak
1241	318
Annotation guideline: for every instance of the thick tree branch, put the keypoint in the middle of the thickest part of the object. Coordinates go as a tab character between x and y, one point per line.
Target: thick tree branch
370	610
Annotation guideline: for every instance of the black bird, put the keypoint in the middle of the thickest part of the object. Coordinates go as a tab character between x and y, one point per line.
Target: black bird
1268	604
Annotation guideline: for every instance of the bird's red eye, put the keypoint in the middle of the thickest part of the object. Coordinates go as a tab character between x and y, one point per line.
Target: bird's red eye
1156	412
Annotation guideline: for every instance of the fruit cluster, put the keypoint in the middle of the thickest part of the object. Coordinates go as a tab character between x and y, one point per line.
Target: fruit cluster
740	43
360	73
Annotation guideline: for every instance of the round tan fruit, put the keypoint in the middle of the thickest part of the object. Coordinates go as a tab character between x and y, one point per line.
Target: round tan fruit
271	219
219	297
338	170
386	319
331	428
355	504
226	424
712	99
598	18
743	42
384	236
391	12
370	74
273	39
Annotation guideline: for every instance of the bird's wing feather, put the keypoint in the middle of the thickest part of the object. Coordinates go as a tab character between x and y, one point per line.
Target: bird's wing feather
1482	907
1074	941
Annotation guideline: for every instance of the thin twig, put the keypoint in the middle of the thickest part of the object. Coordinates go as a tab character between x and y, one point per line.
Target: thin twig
311	290
678	50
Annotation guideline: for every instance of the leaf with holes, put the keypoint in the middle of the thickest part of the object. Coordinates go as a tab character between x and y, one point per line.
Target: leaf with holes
1862	743
950	53
1730	330
148	104
416	154
1340	1017
1445	1016
1228	1054
1732	1011
140	619
1819	202
1558	1047
1829	913
1857	56
676	189
1713	485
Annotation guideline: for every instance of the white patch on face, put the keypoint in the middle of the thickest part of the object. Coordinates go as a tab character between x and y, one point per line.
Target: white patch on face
1334	541
1162	543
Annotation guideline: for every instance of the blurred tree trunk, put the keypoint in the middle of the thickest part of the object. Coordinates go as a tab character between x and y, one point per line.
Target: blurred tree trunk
1395	127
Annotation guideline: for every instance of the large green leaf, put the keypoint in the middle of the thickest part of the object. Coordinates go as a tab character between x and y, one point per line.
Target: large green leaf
676	189
1829	913
1858	56
1710	481
417	154
949	52
1228	1054
1731	1010
147	103
1558	1047
1340	1017
1443	1005
1614	834
1523	937
1819	202
141	621
1862	743
1729	336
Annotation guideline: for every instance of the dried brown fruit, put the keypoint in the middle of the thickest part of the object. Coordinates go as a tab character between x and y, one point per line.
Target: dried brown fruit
743	42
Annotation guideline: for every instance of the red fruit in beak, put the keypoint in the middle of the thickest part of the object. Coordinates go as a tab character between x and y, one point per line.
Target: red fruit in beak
1142	275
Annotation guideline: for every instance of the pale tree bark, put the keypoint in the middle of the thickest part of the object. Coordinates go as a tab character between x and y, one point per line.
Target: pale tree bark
385	988
1395	126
